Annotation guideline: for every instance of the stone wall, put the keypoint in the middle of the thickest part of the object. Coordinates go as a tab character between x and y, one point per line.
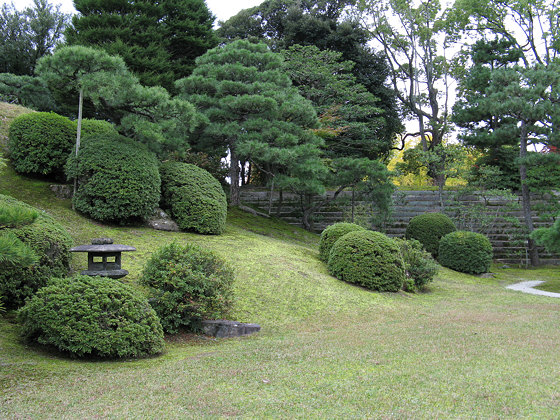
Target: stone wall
506	237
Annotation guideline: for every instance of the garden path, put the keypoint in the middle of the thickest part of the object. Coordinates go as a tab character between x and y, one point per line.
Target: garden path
528	287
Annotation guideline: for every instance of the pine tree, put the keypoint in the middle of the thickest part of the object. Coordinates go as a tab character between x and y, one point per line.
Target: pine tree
158	41
255	115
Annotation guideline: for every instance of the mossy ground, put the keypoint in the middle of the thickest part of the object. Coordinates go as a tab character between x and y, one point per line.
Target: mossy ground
465	348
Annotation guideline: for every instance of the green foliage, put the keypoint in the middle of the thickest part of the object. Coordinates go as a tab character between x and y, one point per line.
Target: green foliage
97	128
466	252
44	239
27	35
187	284
196	199
331	234
159	41
118	179
40	142
13	252
428	229
369	259
549	237
28	91
14	216
419	265
94	316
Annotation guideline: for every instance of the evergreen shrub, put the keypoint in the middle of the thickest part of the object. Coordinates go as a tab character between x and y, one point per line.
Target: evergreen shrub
40	142
428	229
195	198
118	179
466	252
95	316
419	265
331	234
369	259
43	251
187	284
91	127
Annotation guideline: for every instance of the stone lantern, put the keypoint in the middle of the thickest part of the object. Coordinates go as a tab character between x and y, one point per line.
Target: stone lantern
104	258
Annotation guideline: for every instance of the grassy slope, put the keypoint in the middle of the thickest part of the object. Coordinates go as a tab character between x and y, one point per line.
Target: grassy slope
467	348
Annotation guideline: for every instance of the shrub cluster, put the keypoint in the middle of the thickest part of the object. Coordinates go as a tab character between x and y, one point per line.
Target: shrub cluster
466	252
369	259
92	316
49	246
419	265
187	284
39	143
118	179
428	229
91	127
195	198
331	234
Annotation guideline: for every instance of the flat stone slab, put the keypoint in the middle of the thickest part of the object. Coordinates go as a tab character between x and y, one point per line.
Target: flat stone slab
528	287
226	329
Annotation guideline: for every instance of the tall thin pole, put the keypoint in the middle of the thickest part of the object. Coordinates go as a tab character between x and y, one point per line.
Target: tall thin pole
78	135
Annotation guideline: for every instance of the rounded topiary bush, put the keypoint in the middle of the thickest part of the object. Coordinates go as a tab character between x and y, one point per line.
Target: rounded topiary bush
420	267
369	259
94	316
49	243
40	142
91	127
187	284
331	234
428	229
466	252
118	179
195	198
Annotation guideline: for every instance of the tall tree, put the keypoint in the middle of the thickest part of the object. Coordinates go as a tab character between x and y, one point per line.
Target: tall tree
26	36
255	114
158	41
327	25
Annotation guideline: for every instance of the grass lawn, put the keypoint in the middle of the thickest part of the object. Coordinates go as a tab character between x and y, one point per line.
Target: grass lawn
465	348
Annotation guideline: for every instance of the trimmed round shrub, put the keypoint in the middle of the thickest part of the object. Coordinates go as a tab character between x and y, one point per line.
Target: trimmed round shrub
419	265
369	259
91	127
466	252
40	142
95	316
331	234
187	284
118	179
428	229
195	198
50	246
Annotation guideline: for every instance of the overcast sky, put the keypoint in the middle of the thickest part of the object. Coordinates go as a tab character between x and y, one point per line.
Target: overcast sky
222	9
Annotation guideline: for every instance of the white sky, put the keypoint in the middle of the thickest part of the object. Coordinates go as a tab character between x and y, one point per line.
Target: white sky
222	9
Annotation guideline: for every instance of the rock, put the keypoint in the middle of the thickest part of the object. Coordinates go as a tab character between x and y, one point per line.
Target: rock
62	191
226	329
161	221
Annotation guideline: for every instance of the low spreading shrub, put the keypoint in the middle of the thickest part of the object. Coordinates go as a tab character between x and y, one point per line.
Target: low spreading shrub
419	265
331	234
41	249
40	142
187	284
118	179
94	316
466	252
428	229
369	259
195	198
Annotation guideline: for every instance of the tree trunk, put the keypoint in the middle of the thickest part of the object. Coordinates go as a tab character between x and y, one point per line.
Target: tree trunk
234	199
78	136
526	197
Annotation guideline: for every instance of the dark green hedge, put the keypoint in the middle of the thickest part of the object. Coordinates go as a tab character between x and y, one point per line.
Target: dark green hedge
466	252
331	234
94	316
40	142
195	198
428	229
369	259
50	243
187	284
419	265
118	179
